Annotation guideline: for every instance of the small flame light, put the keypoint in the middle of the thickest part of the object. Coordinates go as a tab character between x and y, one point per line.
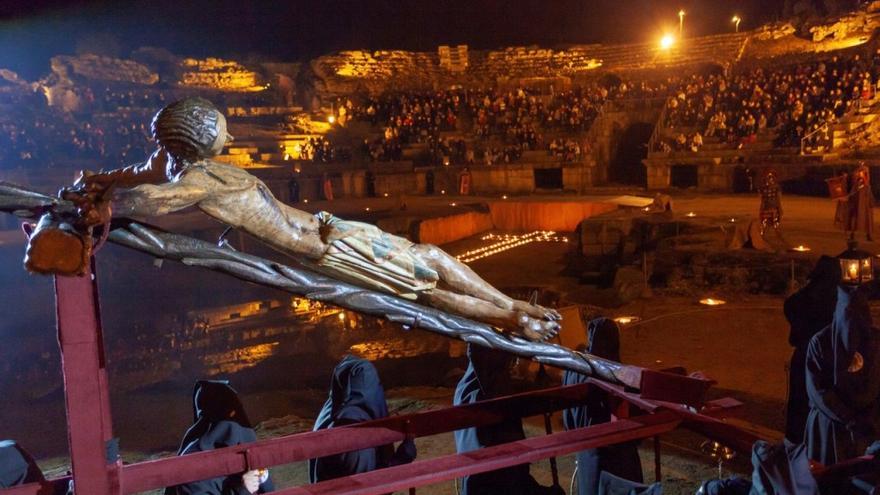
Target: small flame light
690	214
856	266
451	204
504	197
732	220
626	320
386	195
508	241
367	209
801	248
712	302
306	201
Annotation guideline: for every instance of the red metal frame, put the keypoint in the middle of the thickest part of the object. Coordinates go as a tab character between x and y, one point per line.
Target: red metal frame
89	428
88	412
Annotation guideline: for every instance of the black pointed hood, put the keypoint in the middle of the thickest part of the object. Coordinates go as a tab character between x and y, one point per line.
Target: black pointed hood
604	339
356	394
214	401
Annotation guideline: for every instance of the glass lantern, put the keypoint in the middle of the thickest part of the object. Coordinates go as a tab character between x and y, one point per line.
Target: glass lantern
856	266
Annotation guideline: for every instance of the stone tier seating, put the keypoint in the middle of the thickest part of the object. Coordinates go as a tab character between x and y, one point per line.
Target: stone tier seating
410	69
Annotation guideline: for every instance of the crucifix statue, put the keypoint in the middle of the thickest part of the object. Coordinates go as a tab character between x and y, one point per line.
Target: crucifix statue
181	173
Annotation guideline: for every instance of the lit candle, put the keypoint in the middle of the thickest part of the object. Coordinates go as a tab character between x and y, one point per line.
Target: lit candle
691	214
625	320
711	302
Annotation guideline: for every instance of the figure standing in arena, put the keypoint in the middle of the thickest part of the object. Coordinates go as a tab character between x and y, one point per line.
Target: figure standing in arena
855	211
180	174
771	201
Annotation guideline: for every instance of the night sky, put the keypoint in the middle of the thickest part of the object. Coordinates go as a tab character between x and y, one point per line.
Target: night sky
33	30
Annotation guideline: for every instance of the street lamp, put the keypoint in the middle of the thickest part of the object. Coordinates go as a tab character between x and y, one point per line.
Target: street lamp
667	41
856	266
736	20
680	23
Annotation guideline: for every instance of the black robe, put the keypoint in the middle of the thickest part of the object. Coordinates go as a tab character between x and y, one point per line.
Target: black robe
776	470
781	469
17	467
808	311
843	382
219	420
356	395
621	460
487	377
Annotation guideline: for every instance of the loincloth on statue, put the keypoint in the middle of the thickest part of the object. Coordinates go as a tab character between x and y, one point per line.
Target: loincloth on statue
364	255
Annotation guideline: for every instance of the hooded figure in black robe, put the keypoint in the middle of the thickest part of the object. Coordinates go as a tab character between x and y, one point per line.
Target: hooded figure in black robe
843	382
621	460
219	420
808	311
17	467
487	377
356	395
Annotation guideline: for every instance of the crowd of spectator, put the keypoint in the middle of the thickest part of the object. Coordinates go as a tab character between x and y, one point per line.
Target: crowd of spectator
491	126
567	150
55	139
320	149
793	102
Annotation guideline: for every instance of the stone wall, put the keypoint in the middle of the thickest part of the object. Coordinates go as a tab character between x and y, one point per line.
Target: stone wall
559	216
219	74
453	228
93	67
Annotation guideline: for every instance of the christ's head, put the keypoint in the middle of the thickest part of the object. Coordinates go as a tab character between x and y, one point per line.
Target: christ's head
191	129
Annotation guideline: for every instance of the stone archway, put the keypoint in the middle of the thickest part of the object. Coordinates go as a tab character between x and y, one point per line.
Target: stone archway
632	147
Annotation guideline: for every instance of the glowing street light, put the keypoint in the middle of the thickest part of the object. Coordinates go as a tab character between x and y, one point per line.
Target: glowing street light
736	20
680	23
667	41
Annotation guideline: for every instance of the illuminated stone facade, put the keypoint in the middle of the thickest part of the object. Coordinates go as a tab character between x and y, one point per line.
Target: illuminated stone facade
95	67
219	74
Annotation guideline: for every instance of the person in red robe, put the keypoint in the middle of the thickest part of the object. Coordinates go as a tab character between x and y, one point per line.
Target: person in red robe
855	212
464	182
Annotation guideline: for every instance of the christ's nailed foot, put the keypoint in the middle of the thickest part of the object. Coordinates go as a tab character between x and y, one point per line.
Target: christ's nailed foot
537	312
537	329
